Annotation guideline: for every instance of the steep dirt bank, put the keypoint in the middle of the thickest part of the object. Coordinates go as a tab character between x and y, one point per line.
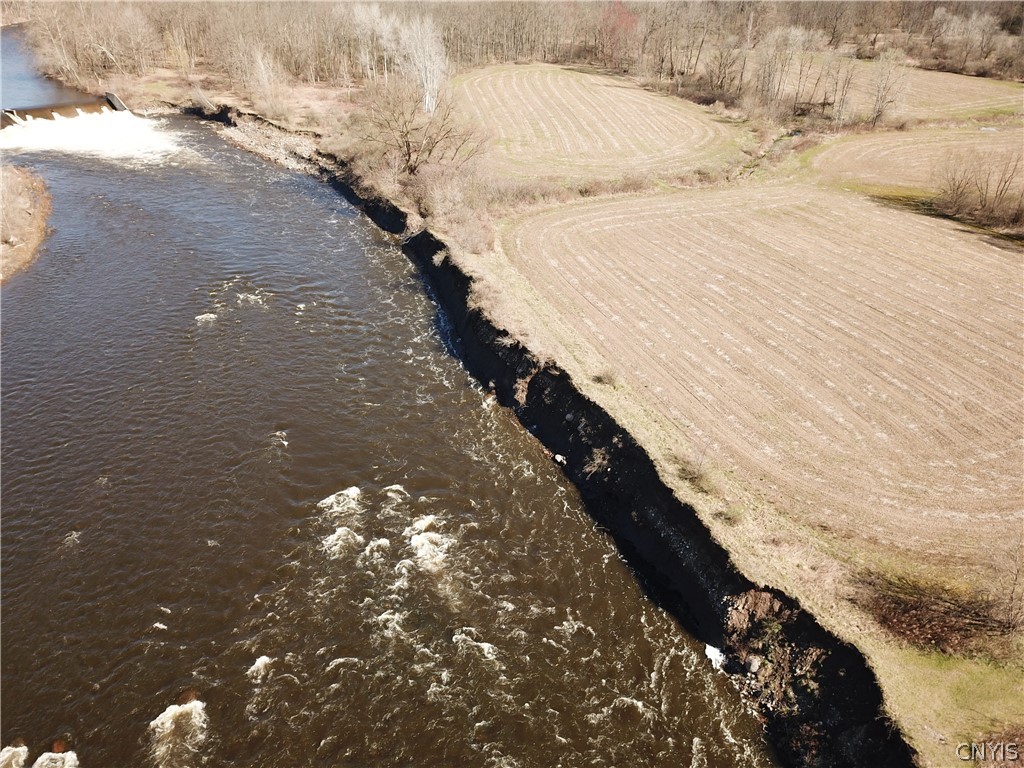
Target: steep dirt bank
26	207
820	701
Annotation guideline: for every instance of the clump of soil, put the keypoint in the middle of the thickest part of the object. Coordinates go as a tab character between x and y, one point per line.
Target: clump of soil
26	206
929	616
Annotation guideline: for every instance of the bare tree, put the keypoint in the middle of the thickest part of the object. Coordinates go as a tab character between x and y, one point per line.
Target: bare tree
889	82
986	189
424	58
837	77
405	135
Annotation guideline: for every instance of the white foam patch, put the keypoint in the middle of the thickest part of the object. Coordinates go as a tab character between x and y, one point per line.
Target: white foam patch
341	541
345	661
429	547
260	669
13	757
206	318
108	134
464	639
396	492
431	550
698	760
421	524
403	568
716	657
257	298
342	502
178	734
56	760
376	552
390	623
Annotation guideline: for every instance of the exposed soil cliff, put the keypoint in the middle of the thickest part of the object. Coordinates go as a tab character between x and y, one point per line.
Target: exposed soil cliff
820	701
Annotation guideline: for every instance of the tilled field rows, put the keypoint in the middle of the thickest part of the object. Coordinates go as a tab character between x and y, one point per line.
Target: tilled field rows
550	120
915	158
940	95
921	95
863	365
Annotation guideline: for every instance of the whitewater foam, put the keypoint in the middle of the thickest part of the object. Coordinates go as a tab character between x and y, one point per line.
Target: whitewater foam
396	492
13	757
342	502
375	553
390	623
430	549
107	134
56	760
177	735
341	541
260	669
257	298
715	656
464	638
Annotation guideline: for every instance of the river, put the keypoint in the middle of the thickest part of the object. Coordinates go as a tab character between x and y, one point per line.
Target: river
256	514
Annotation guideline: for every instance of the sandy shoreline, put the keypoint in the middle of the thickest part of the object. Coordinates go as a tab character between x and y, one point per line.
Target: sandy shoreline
26	208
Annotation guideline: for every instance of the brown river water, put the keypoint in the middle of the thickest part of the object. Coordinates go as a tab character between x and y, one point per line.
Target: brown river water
256	514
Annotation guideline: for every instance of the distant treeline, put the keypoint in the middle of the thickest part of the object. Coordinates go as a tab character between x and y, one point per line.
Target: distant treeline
702	44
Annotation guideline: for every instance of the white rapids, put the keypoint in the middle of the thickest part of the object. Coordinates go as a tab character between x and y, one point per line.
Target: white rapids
107	134
178	734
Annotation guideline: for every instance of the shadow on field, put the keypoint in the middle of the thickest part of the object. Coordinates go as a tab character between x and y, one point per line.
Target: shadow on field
931	617
926	207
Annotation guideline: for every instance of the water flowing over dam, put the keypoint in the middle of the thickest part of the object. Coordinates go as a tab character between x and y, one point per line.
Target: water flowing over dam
255	513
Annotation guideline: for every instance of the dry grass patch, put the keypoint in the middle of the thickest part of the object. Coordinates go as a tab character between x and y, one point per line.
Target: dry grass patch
554	121
929	95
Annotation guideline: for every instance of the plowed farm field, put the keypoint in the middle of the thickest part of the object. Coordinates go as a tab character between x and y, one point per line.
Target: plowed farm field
864	363
938	95
914	159
922	95
550	121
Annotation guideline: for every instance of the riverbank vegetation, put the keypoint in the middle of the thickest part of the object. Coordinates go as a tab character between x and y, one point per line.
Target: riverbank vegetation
25	209
679	202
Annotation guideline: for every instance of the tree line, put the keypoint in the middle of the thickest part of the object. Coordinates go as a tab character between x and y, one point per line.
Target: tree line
702	44
779	60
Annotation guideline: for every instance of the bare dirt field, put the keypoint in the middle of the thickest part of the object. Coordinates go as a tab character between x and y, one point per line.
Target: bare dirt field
922	94
555	121
912	159
928	95
863	363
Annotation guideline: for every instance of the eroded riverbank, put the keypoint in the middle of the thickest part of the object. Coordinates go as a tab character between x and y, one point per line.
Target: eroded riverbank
820	700
256	513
